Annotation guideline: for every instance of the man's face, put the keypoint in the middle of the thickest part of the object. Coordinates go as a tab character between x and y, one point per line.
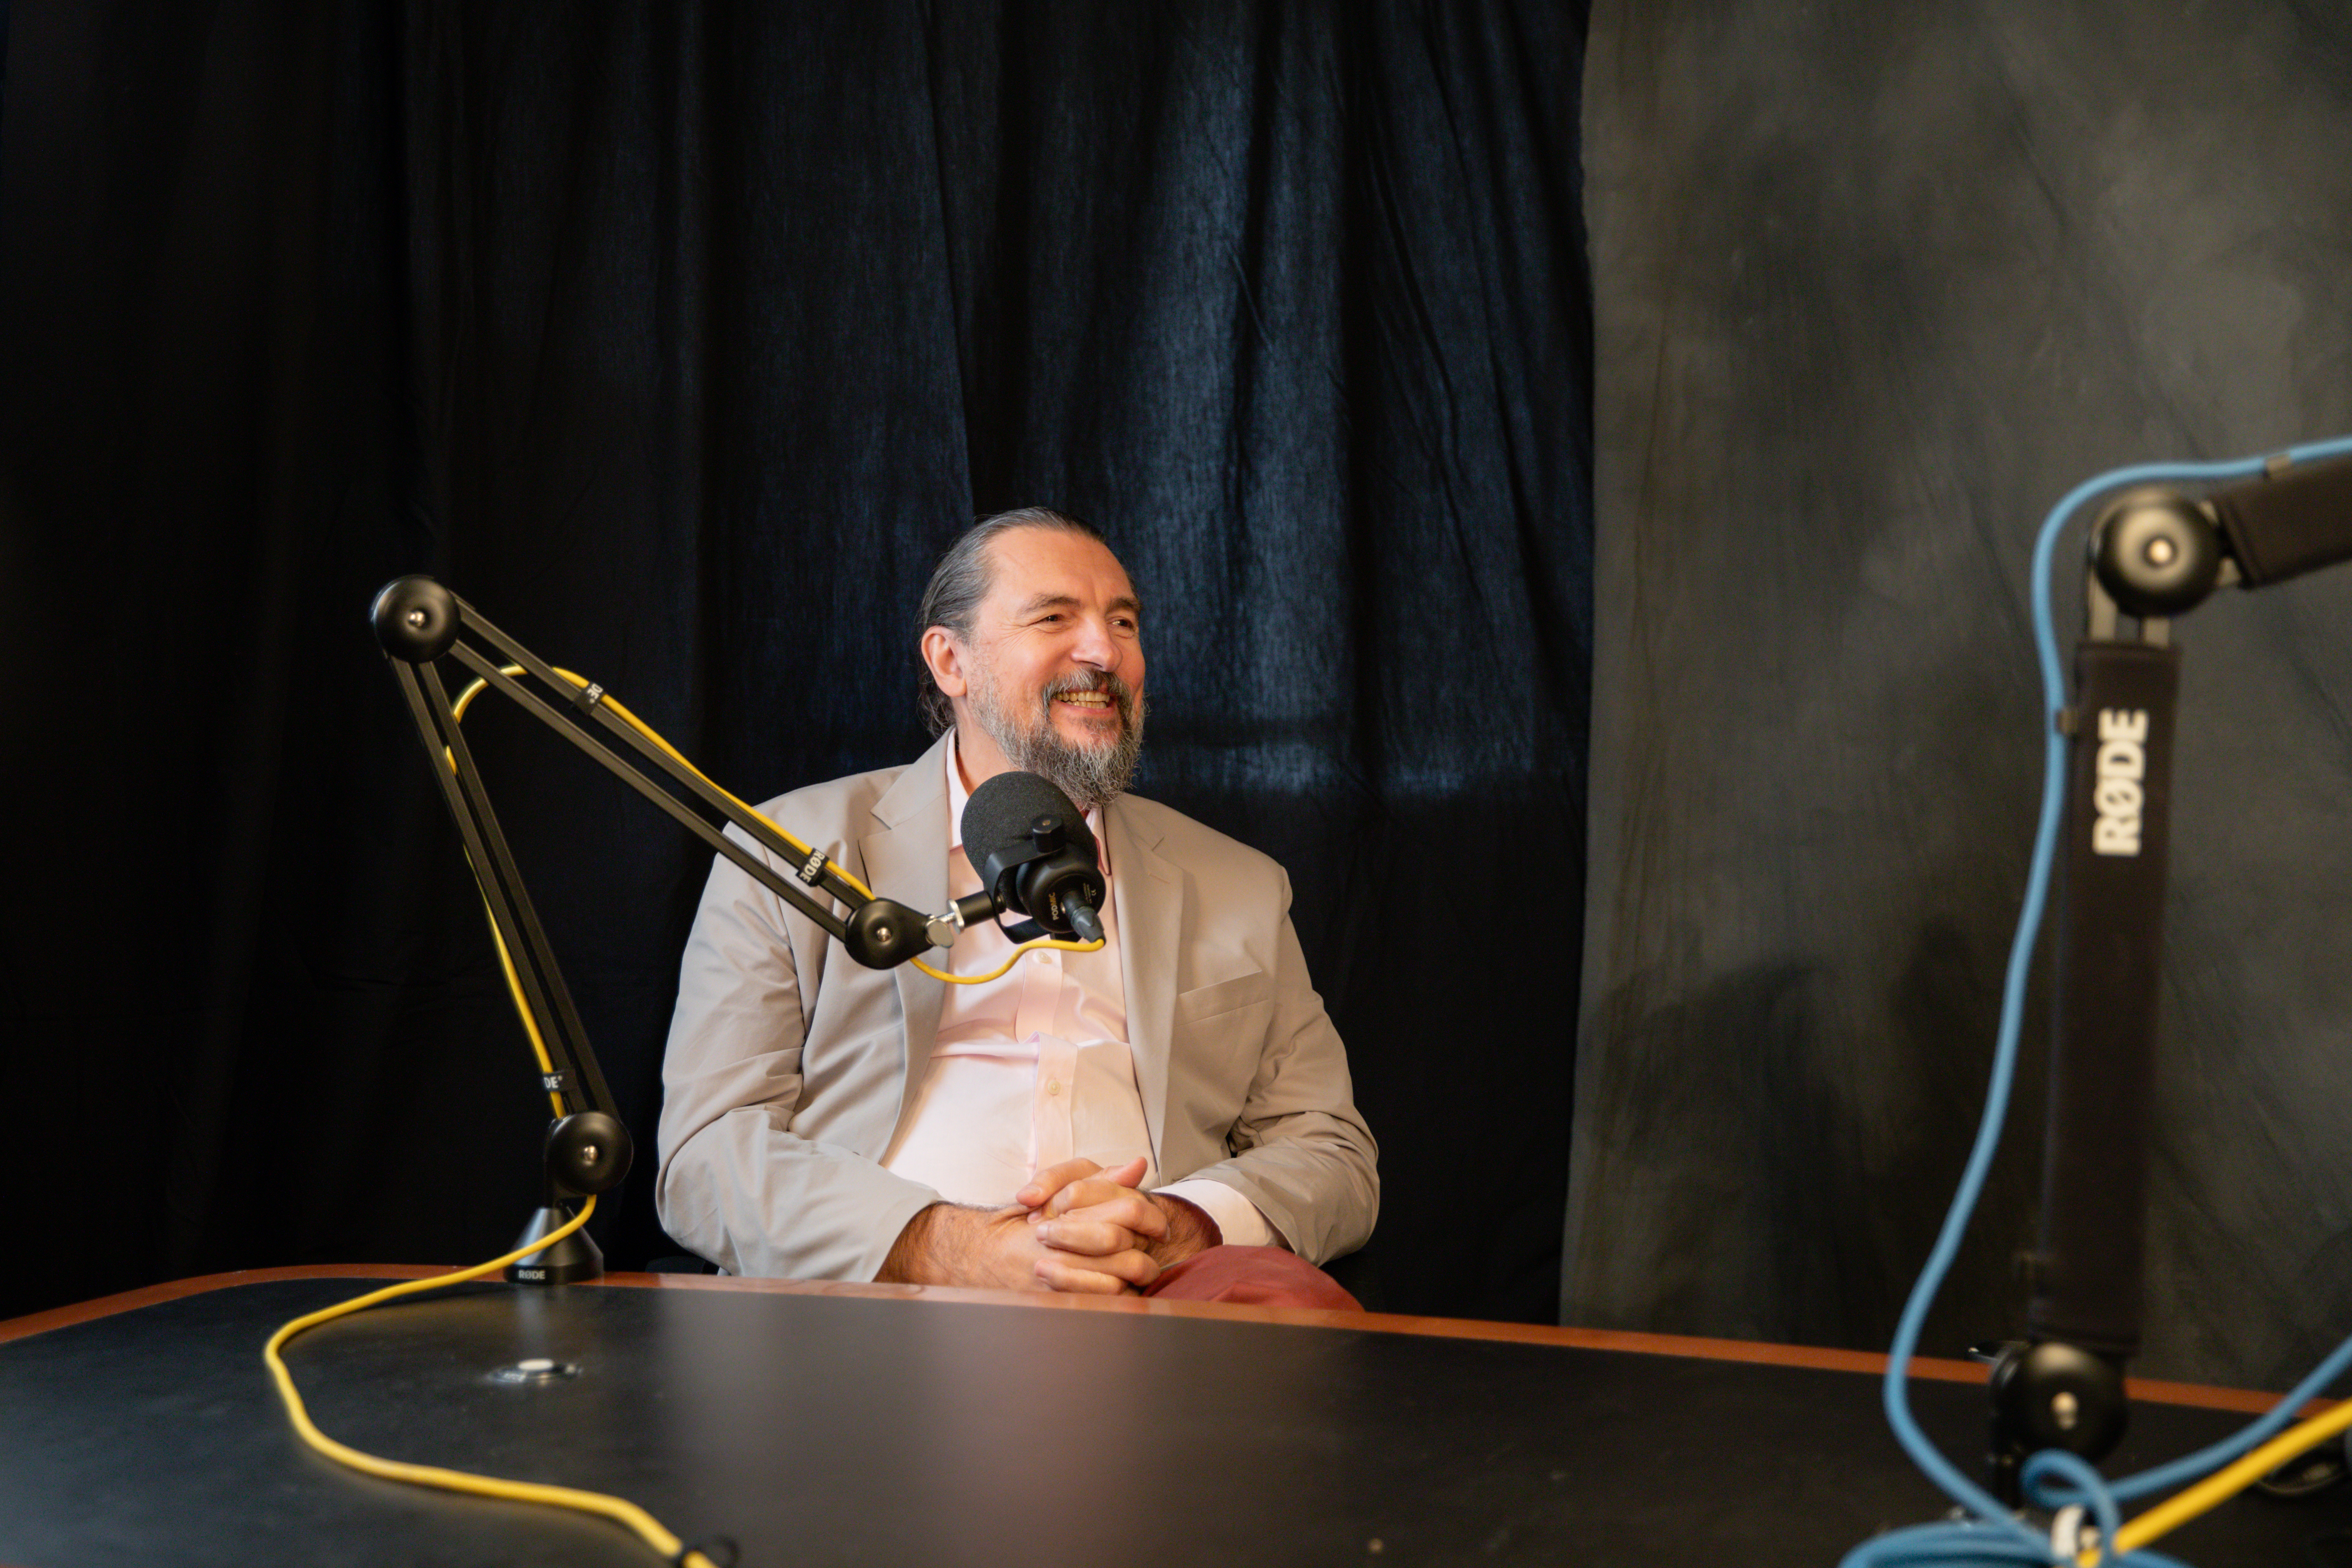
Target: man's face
1053	673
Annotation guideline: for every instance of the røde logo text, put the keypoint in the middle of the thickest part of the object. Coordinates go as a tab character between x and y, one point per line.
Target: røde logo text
2122	763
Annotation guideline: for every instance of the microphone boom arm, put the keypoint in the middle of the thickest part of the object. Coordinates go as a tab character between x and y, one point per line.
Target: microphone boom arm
2154	554
419	623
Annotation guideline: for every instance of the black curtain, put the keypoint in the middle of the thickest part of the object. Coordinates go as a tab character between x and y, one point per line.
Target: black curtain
680	340
1876	284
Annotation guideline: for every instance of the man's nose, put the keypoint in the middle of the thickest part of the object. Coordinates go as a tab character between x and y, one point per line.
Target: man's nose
1095	647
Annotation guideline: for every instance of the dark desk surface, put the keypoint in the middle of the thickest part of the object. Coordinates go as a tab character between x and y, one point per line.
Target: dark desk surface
870	1425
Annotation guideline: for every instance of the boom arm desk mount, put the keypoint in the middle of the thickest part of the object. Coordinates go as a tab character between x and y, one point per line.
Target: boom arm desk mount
587	1148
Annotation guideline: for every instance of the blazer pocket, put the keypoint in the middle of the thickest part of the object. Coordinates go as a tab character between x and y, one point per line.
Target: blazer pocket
1225	996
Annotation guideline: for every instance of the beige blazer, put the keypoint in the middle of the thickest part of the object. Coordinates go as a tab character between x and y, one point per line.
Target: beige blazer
791	1066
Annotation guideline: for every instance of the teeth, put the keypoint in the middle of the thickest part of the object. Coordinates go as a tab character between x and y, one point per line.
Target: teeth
1089	699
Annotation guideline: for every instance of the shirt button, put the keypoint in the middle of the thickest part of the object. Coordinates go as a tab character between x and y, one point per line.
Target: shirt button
1052	1086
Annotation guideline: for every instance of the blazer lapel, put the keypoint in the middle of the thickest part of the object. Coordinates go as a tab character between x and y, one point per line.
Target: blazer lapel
906	859
1149	894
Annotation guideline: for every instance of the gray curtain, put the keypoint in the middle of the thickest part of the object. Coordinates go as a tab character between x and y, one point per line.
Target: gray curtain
1875	284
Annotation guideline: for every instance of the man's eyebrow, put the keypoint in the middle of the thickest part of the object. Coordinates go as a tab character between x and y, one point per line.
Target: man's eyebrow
1069	601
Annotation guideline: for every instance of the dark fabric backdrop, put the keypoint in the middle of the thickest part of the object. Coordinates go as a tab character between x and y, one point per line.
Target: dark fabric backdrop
1875	285
680	340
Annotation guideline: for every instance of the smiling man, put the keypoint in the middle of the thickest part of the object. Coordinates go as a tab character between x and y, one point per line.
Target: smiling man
1170	1114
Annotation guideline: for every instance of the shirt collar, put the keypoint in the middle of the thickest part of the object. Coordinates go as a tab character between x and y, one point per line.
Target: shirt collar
958	796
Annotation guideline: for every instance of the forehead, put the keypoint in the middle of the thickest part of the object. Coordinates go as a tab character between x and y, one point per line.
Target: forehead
1029	563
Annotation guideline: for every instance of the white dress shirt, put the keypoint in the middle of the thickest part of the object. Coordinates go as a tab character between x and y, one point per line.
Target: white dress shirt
1034	1068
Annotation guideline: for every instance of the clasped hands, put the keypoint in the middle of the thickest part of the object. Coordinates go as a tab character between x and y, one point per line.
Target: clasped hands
1097	1231
1076	1226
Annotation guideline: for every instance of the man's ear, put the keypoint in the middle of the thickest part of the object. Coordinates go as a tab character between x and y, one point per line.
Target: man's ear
945	657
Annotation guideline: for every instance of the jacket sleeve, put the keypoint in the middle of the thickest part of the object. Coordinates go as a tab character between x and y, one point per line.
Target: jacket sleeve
1298	1149
737	1184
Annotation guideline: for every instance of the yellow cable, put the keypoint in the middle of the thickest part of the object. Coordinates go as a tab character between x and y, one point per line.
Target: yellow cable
1005	966
619	1509
2222	1485
514	989
465	701
621	1512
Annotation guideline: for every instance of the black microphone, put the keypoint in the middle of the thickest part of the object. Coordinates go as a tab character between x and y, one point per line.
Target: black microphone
1035	857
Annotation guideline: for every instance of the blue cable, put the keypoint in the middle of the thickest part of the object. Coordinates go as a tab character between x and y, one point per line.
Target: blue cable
1994	1536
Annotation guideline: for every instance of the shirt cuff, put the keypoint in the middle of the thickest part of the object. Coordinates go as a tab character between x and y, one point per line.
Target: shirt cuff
1236	1215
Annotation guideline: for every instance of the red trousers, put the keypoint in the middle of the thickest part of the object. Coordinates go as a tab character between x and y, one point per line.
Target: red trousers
1252	1276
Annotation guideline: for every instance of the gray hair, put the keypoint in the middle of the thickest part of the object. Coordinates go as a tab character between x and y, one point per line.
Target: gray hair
960	580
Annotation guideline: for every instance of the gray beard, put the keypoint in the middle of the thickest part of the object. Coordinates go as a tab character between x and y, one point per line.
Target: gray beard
1091	776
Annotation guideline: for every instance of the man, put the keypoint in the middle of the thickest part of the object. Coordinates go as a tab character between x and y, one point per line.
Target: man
825	1120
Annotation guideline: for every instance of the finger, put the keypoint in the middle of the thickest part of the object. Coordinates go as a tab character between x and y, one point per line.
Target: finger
1137	1212
1096	1192
1083	1174
1122	1206
1094	1238
1069	1278
1134	1266
1128	1269
1088	1194
1054	1178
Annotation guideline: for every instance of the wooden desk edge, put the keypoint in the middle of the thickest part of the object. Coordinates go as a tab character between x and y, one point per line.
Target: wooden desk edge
1816	1357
